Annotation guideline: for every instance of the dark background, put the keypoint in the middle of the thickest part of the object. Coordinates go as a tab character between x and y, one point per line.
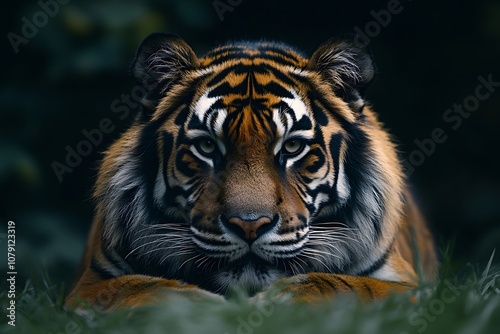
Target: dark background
65	78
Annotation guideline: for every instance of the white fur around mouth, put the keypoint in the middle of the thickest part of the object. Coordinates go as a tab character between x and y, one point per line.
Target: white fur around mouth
269	247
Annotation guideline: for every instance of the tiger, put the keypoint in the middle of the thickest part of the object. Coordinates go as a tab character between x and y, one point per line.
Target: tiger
253	167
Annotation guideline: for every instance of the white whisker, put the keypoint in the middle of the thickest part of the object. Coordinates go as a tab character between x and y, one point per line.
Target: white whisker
164	248
315	258
190	259
186	251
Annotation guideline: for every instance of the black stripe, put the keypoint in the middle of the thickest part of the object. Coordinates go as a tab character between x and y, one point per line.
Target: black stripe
369	289
302	124
349	286
331	284
221	76
282	48
113	257
334	145
320	162
237	119
109	256
358	165
321	104
99	270
318	112
279	60
211	242
302	219
290	252
274	88
288	242
184	168
284	78
277	52
377	264
225	88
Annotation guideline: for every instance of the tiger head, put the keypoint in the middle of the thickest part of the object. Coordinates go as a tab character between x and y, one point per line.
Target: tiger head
249	164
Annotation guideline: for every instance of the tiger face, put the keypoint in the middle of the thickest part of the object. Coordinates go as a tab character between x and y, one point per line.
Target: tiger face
250	171
249	164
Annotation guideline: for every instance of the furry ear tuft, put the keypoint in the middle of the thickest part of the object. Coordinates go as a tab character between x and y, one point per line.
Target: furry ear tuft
348	67
160	61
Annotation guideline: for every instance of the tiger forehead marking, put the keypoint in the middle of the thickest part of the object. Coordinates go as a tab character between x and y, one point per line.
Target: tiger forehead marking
252	96
248	123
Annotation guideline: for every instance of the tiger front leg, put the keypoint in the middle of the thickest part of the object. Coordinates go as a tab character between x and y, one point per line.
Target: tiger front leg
132	291
315	287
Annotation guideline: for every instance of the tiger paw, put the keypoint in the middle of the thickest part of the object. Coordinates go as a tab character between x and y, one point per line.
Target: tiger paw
194	294
132	291
183	293
289	289
316	287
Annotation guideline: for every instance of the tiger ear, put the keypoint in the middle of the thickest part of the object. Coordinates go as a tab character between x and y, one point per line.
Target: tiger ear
346	66
161	60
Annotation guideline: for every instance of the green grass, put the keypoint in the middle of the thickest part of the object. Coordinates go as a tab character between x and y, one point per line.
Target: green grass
464	303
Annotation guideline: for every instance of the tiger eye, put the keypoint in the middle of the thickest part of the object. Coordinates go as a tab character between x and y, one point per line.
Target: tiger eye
293	146
207	146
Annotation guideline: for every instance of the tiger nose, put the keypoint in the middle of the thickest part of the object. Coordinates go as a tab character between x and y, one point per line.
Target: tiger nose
249	229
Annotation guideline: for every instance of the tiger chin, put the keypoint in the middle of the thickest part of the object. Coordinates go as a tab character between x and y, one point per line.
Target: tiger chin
252	167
